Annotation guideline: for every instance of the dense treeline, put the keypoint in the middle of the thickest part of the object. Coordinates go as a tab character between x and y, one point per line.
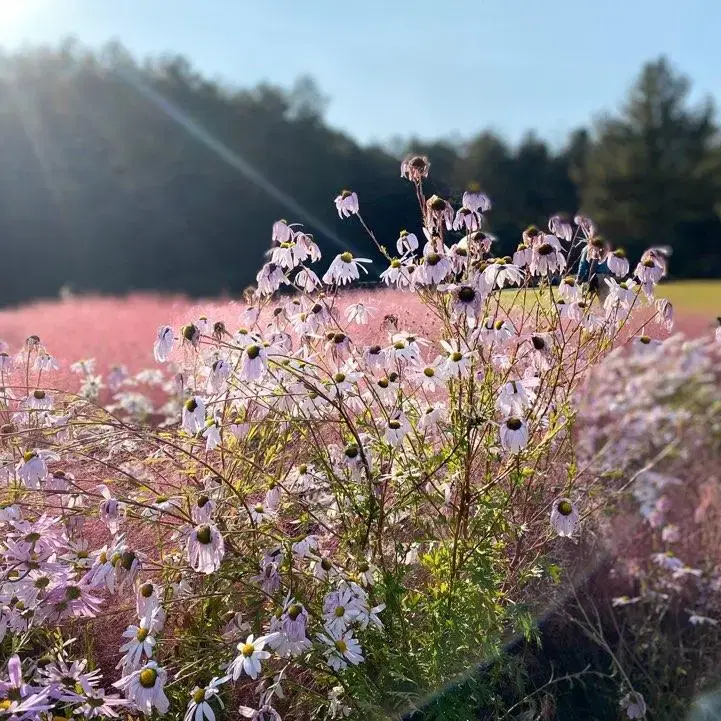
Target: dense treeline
116	175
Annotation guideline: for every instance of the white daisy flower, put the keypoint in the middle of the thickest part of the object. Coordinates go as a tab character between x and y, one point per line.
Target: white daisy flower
617	263
344	269
457	362
163	345
205	548
342	650
144	688
211	433
547	257
501	274
564	516
514	434
254	363
199	708
248	660
193	417
141	644
649	271
512	399
33	468
396	430
560	226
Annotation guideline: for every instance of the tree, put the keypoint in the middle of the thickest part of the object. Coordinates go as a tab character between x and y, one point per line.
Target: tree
650	178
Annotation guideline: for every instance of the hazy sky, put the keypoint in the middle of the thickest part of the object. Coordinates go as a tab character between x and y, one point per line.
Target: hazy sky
421	67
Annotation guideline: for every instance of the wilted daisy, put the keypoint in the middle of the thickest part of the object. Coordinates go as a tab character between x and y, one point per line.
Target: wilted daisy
269	278
407	242
649	271
617	262
254	363
307	280
560	225
665	312
32	469
250	654
439	212
205	548
218	376
211	433
431	416
193	417
144	688
435	267
569	290
39	401
564	516
346	204
264	712
415	168
163	345
634	705
512	399
522	256
547	257
344	268
514	434
396	430
358	313
467	219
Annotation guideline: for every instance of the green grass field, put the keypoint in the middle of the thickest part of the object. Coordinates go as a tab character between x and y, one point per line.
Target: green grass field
701	297
694	296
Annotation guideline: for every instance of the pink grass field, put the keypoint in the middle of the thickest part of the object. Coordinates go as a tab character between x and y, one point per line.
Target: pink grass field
121	330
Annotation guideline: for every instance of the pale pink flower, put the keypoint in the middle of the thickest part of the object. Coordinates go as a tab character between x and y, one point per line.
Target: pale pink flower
347	204
476	201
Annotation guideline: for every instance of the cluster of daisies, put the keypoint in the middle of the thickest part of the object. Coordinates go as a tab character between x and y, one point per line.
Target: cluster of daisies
286	478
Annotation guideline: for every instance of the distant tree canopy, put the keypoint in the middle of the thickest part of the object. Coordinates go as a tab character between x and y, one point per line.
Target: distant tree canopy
117	175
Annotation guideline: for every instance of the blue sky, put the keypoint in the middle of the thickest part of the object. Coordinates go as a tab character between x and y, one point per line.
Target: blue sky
410	67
